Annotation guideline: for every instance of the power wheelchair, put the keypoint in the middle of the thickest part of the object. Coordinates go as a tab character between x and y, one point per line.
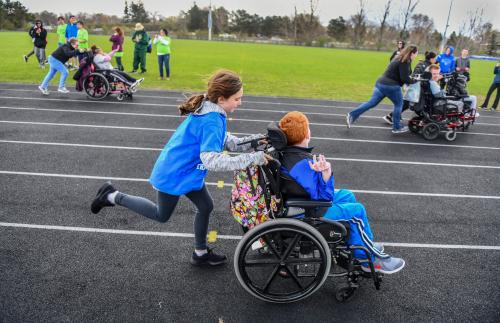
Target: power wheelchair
289	257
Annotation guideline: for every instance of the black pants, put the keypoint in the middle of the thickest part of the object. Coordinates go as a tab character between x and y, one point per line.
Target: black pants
162	211
119	64
493	87
125	75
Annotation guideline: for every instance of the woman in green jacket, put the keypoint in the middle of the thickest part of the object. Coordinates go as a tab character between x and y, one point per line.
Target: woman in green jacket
141	40
162	42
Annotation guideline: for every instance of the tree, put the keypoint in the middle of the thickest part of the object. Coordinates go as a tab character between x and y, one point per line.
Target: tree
138	12
406	14
14	15
48	18
245	23
126	13
383	23
337	28
492	46
453	39
421	28
358	22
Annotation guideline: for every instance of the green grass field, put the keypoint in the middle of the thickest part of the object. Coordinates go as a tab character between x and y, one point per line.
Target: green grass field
266	69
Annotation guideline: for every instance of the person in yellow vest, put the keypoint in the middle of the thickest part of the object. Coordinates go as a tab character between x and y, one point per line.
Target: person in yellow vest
162	42
83	38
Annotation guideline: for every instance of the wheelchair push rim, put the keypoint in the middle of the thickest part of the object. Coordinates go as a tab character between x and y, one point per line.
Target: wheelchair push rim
96	86
294	264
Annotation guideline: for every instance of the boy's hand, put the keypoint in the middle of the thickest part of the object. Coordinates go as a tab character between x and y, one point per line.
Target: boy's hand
320	164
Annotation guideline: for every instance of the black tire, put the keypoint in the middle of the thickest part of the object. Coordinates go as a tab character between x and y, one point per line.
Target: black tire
430	131
290	246
413	125
96	86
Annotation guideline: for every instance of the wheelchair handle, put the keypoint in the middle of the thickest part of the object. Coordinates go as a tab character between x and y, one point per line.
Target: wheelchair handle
252	141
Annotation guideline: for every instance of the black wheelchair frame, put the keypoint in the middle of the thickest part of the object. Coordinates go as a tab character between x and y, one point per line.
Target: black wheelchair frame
287	259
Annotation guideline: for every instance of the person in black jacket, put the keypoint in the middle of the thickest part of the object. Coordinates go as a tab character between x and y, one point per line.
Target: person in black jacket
401	46
420	69
389	85
56	60
38	36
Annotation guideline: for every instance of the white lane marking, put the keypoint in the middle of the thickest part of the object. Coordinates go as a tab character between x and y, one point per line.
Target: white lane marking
381	161
230	119
221	236
243	108
248	134
465	196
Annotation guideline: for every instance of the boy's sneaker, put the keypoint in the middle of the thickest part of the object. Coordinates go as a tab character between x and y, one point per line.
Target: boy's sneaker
101	198
386	266
348	120
388	119
25	58
400	130
378	246
44	91
63	90
210	258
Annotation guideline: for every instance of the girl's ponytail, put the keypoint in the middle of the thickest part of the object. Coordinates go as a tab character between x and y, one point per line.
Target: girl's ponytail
191	104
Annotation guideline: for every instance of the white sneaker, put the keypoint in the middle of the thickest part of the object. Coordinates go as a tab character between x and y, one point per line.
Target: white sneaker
44	91
63	90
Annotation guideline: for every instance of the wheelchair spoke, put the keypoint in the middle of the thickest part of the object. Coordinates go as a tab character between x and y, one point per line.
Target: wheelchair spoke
271	278
294	277
271	246
261	262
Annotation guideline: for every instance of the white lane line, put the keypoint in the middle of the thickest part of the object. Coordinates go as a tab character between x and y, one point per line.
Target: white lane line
230	119
247	134
464	196
222	236
243	108
381	161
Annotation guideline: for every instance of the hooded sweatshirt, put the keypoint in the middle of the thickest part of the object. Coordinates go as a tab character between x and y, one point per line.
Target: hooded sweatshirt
446	62
39	35
196	147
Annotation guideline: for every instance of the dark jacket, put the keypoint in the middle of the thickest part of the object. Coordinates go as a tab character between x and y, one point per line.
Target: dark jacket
397	73
496	71
295	164
462	63
39	35
64	52
117	41
394	54
143	42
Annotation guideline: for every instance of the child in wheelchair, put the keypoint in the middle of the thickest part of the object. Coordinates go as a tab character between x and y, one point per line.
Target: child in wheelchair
315	175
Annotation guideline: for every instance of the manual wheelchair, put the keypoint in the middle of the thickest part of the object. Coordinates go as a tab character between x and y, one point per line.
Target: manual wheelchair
290	256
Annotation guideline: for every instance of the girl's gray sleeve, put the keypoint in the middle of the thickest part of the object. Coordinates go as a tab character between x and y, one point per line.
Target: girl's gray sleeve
215	161
232	142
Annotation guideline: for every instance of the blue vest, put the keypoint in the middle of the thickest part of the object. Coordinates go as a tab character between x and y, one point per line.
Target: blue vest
179	169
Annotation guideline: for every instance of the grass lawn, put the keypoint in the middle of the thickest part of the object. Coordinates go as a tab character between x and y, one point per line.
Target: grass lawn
265	69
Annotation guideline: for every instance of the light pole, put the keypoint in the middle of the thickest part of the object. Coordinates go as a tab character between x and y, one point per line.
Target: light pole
443	42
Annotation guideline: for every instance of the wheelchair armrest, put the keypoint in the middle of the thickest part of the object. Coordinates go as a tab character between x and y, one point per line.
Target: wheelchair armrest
307	204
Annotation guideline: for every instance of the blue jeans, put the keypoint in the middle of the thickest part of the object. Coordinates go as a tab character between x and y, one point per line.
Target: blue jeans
55	66
380	91
346	207
164	60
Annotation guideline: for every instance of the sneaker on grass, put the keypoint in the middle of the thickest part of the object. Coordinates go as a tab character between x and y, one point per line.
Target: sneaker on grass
390	265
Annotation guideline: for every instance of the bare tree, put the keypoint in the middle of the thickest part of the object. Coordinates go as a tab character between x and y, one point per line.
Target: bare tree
406	14
383	23
358	22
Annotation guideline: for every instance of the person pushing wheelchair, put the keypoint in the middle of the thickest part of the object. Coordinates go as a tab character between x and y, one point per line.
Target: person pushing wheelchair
315	175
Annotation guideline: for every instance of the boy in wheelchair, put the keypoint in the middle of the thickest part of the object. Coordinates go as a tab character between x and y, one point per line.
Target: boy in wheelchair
314	174
437	92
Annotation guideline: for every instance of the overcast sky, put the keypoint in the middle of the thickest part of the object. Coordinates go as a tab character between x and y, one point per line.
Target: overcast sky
327	9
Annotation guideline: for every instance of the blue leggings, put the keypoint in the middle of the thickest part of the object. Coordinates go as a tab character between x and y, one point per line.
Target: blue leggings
55	66
346	207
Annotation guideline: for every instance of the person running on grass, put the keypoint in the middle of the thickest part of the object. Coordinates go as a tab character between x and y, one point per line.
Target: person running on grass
40	42
31	32
494	86
56	60
389	85
195	147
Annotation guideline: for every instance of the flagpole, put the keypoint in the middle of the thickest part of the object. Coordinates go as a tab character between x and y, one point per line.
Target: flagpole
210	21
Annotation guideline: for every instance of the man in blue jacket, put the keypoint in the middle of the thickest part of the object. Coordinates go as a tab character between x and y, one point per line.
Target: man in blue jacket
315	175
72	32
446	60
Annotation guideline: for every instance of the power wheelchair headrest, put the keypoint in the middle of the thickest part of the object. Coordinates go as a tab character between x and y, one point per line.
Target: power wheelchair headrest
276	136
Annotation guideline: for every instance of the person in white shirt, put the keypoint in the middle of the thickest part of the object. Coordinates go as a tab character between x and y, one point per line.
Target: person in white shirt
103	62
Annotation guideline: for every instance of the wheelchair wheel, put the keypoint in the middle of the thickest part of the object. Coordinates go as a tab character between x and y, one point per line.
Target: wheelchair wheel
413	125
96	86
120	97
430	131
282	261
451	135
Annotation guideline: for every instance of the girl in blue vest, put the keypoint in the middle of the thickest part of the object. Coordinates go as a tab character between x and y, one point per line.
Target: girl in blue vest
195	147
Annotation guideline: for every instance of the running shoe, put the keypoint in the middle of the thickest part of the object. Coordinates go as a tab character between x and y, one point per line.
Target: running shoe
348	120
390	265
101	198
25	58
63	90
388	119
44	91
210	258
400	130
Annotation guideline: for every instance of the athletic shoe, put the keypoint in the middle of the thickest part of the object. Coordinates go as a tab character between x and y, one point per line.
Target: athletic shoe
101	198
400	130
378	246
44	91
63	90
142	72
210	258
388	119
132	72
25	58
493	109
348	120
390	265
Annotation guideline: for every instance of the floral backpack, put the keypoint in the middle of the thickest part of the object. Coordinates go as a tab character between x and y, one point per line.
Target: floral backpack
253	200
